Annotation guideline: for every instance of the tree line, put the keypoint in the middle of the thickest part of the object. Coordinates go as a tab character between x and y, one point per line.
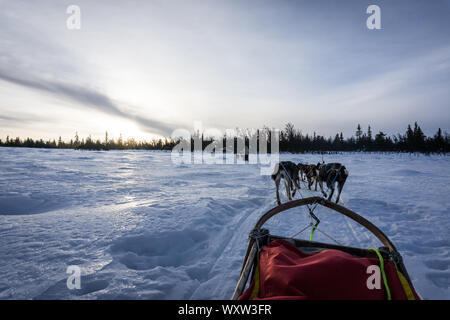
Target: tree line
291	140
413	140
91	144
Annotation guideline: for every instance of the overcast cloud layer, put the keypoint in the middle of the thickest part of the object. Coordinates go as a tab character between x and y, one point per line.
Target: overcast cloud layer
147	67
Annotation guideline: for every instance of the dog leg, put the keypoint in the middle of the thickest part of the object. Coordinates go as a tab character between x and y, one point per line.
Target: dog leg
277	186
321	188
297	183
339	192
340	186
288	191
296	187
331	194
291	189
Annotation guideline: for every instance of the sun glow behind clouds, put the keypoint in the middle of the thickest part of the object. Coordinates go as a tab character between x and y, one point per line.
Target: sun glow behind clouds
117	127
226	63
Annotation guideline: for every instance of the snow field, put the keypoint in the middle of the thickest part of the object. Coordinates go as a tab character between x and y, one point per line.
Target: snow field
141	227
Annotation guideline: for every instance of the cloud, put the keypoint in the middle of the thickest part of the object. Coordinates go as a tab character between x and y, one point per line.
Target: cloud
39	63
229	64
85	96
9	119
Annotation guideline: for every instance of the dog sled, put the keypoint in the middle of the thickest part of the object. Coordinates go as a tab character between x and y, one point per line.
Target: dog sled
279	268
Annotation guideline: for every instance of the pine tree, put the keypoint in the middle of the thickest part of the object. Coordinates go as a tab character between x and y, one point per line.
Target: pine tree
439	142
77	141
106	147
419	138
358	133
409	138
369	134
120	142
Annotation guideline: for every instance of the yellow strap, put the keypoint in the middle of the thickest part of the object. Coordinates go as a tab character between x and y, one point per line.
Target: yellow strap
406	287
255	291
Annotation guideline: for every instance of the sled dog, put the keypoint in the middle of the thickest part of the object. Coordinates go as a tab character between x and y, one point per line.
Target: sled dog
310	171
331	173
289	172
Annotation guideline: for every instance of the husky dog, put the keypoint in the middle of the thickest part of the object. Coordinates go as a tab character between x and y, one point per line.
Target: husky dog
310	171
289	171
331	173
302	171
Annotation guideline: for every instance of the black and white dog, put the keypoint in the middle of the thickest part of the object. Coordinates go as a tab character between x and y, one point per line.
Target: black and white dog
331	173
289	172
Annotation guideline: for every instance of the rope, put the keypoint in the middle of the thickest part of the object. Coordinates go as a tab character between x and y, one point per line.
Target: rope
309	225
313	216
310	208
327	235
382	272
313	229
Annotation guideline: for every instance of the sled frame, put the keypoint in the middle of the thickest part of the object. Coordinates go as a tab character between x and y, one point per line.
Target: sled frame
259	237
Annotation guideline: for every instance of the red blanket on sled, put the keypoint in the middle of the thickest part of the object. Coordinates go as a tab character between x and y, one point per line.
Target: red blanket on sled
285	272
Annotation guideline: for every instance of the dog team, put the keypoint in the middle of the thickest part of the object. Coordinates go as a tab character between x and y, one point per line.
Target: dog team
291	173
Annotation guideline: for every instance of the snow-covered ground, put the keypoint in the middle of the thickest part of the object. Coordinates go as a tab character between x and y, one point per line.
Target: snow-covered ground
141	227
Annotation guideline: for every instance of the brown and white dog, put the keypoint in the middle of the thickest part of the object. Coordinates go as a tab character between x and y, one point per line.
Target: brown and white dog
301	171
310	172
289	172
331	173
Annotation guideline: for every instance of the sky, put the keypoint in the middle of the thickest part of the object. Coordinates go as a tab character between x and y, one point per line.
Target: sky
145	68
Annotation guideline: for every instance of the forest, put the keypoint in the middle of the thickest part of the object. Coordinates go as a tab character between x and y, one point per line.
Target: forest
291	140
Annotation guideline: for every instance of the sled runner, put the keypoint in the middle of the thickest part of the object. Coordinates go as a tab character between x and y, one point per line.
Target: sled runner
288	268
